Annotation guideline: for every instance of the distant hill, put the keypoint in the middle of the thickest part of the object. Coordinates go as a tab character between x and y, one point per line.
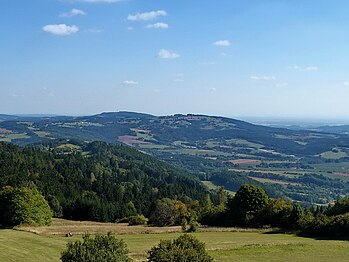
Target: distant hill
8	117
149	132
336	129
303	165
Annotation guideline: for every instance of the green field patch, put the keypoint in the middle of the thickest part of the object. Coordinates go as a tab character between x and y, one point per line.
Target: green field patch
275	172
69	147
244	143
223	246
41	133
334	154
145	135
210	186
212	143
11	136
205	152
341	167
152	146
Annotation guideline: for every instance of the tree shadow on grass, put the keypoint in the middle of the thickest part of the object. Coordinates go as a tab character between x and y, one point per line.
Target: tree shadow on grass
304	235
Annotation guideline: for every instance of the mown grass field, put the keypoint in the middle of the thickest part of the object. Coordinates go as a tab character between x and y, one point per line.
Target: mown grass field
223	246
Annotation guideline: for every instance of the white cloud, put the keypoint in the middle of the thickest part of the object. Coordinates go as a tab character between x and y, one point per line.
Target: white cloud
307	68
166	54
263	78
311	68
73	12
222	43
213	89
98	1
129	83
147	15
346	83
129	28
158	26
60	29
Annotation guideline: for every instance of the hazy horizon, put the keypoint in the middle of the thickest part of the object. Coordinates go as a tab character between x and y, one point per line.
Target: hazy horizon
260	120
243	59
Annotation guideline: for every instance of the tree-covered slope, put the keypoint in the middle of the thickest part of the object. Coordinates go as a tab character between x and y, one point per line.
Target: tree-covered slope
96	181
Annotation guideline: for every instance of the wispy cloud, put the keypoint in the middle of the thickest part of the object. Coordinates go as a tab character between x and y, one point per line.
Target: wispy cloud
213	89
147	15
60	29
346	83
311	68
129	83
158	26
166	54
48	92
307	68
263	78
222	43
73	12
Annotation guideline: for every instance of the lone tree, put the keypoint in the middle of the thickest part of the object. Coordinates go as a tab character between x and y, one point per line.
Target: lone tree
23	206
99	249
184	248
164	213
247	203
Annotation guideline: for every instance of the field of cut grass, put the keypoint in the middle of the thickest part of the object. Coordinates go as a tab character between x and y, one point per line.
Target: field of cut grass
273	181
223	246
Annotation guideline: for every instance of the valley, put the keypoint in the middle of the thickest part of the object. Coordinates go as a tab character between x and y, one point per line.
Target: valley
302	165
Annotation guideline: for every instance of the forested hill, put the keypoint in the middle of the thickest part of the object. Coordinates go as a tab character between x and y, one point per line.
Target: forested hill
95	181
171	133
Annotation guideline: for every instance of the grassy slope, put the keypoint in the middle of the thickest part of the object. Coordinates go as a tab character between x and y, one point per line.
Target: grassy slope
223	246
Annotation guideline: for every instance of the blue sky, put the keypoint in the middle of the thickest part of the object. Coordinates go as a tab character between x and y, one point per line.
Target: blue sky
275	58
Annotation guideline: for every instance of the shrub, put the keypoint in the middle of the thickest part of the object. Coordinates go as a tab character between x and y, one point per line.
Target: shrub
164	213
23	206
99	249
137	220
184	248
276	213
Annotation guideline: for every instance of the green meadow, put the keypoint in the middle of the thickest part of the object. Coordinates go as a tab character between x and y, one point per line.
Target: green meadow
223	246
